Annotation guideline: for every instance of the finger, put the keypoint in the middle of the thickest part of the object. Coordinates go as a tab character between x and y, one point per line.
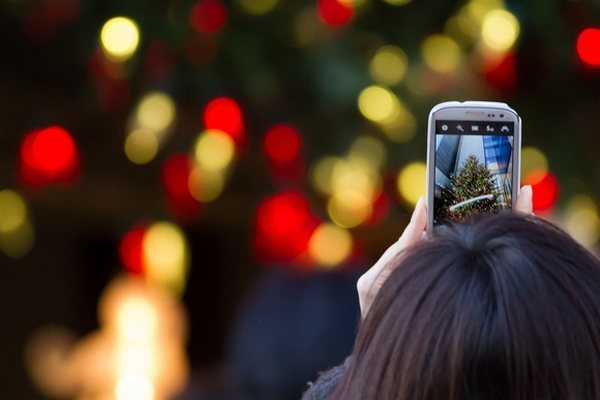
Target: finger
525	200
418	222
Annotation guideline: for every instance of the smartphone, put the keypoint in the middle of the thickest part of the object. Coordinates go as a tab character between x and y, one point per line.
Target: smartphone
473	160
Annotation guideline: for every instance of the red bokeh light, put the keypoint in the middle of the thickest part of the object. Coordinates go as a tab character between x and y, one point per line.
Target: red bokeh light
175	176
225	114
501	72
334	12
283	227
130	249
282	144
48	155
588	47
208	16
545	189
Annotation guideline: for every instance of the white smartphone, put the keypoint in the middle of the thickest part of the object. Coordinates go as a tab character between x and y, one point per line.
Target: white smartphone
473	160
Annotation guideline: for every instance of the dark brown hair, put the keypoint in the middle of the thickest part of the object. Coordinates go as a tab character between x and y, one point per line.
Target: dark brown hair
505	307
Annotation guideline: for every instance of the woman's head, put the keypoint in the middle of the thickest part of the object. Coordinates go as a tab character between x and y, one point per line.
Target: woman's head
506	307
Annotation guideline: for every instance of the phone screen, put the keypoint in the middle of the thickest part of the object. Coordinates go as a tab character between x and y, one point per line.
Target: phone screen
473	168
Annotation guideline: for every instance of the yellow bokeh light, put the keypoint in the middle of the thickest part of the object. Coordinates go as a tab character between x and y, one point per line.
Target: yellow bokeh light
156	112
166	256
441	53
388	65
120	38
348	208
134	386
403	128
411	182
582	220
214	150
136	320
355	177
141	146
500	30
379	104
322	174
368	150
330	245
533	160
205	185
397	2
18	242
258	7
13	211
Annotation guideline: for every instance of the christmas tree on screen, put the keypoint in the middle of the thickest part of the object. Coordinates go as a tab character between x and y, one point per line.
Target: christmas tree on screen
472	191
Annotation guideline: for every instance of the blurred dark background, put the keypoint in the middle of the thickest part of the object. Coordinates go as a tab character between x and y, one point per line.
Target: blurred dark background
282	146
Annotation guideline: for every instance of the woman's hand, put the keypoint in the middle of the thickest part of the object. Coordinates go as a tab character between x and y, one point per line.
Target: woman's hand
371	281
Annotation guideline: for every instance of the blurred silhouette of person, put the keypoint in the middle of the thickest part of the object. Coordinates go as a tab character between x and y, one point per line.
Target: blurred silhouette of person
291	325
506	306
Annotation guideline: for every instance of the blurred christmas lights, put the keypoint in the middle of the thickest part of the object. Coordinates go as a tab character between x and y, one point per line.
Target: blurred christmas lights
588	47
48	156
208	16
411	182
335	12
119	37
16	232
224	114
545	189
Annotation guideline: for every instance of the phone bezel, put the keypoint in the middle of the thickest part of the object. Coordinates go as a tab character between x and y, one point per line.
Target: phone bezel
471	111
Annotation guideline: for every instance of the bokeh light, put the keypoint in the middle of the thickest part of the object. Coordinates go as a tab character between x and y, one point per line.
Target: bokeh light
224	113
582	220
533	160
368	150
379	104
175	176
165	256
349	208
119	37
545	189
258	7
134	387
330	245
335	12
214	150
588	46
284	225
388	65
48	155
13	211
155	112
141	146
206	185
500	30
441	53
411	181
282	144
208	16
130	249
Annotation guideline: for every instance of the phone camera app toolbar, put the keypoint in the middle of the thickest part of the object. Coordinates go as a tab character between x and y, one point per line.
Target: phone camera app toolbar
475	127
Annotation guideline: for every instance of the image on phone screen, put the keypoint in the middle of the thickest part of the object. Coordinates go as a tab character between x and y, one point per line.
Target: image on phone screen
473	169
